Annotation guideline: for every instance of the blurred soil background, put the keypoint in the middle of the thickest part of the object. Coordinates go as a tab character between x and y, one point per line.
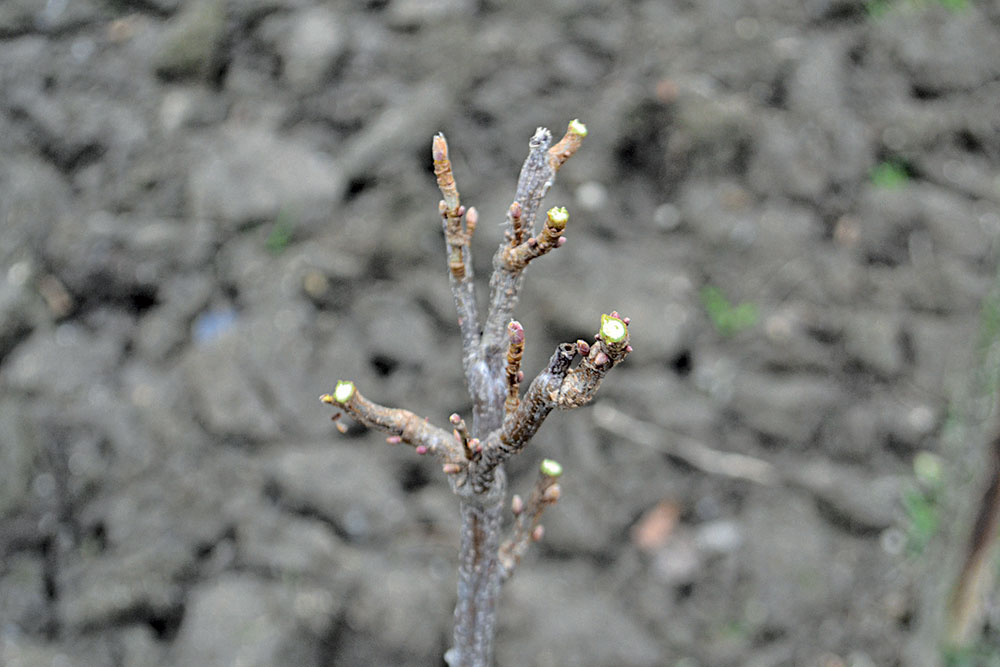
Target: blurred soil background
212	210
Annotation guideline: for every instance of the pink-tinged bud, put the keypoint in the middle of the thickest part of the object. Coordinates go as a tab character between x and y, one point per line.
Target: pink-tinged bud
538	533
516	504
515	332
442	207
551	494
583	347
515	210
451	468
461	210
475	445
627	321
341	428
439	148
394	439
561	241
628	348
520	376
421	449
601	359
614	313
532	242
455	418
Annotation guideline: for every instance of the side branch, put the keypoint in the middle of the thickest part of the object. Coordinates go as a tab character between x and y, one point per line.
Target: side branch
516	257
402	425
557	386
537	175
527	517
459	224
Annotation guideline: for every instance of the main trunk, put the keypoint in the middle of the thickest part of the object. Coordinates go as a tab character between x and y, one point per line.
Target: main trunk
478	584
478	567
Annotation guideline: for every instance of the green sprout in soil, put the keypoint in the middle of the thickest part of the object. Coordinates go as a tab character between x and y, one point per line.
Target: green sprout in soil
727	318
922	502
281	232
982	654
890	175
879	8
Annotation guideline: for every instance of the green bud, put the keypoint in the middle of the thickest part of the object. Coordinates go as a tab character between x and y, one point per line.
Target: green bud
558	217
613	329
344	391
551	468
576	127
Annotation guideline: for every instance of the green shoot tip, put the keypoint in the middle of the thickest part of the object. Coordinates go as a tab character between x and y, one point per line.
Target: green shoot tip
613	329
551	468
344	391
576	127
558	215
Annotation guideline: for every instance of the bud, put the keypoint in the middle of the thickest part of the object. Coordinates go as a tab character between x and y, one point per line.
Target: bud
516	504
558	217
439	148
515	332
613	328
551	494
342	393
551	468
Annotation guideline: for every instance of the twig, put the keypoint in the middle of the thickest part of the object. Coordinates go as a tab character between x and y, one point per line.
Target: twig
458	239
689	450
527	517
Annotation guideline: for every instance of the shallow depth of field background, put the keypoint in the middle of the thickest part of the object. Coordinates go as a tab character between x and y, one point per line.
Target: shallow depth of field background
211	211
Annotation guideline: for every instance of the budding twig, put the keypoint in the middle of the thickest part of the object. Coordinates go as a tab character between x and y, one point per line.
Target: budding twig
537	175
517	257
527	516
557	386
611	347
517	233
568	145
402	425
457	241
515	347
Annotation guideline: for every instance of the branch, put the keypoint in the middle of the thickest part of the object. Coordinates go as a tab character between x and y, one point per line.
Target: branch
527	518
537	175
689	450
402	425
556	386
458	238
516	257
